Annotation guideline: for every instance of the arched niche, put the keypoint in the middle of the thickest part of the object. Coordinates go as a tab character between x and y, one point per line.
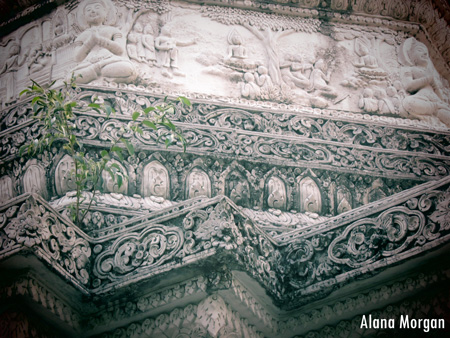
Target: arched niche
343	199
237	188
64	174
310	196
34	180
6	189
111	185
198	184
276	193
155	180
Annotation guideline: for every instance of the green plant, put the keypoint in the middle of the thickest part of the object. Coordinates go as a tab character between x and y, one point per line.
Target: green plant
56	109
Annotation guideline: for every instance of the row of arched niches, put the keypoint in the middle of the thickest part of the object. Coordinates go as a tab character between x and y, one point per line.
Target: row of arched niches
177	177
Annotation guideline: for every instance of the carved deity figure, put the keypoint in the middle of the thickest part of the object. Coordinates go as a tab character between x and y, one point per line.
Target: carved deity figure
235	49
263	79
198	184
368	102
167	56
293	72
367	64
100	49
276	193
148	41
319	80
421	81
310	197
249	88
38	59
135	46
155	181
9	69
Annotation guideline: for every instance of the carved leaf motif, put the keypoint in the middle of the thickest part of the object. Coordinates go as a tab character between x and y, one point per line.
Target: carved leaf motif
368	240
133	251
441	215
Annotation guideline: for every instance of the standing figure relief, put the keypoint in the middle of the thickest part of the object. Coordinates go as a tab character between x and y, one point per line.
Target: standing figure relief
420	80
100	48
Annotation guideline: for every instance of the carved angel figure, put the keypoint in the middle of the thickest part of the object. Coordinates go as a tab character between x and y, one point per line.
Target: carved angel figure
100	49
9	68
421	81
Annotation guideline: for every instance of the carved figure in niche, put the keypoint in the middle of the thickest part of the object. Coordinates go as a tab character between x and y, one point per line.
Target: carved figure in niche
276	193
368	102
421	81
64	175
155	180
6	189
310	197
198	184
38	59
135	45
167	55
34	180
100	49
293	72
375	192
249	88
319	80
9	69
343	200
367	64
110	185
237	188
148	41
235	49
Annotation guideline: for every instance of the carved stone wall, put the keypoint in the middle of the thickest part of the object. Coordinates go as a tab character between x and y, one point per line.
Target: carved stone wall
314	189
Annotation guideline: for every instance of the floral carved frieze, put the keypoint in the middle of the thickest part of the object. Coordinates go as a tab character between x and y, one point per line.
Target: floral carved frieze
28	223
183	234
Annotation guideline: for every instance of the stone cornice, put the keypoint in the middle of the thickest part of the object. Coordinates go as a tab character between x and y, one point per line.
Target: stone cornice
216	230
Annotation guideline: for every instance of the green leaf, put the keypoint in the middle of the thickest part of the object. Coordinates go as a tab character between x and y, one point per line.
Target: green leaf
184	100
149	109
109	110
129	146
119	180
104	154
25	91
22	149
149	124
94	105
136	115
115	165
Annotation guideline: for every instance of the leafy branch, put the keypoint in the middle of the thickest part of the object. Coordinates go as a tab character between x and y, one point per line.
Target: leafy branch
56	110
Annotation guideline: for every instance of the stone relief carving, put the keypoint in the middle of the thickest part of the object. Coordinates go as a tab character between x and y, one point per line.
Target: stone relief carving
237	188
155	181
63	175
310	196
34	179
14	61
167	52
421	81
100	48
276	193
7	189
109	185
198	184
